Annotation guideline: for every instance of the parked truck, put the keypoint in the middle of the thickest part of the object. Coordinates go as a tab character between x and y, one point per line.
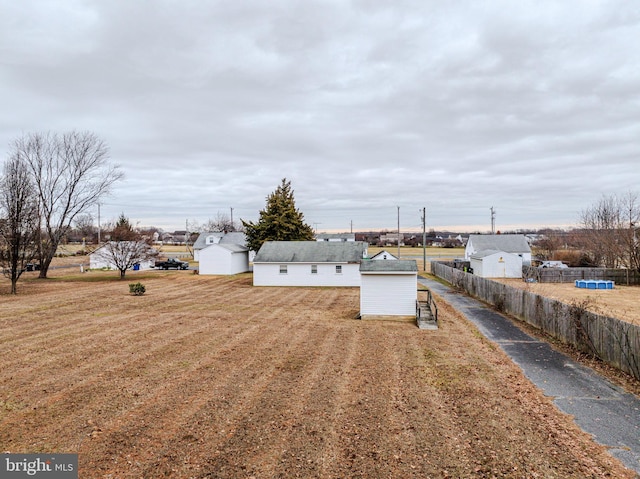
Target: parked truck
171	263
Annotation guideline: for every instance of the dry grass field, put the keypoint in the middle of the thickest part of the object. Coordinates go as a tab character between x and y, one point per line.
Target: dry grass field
622	302
210	377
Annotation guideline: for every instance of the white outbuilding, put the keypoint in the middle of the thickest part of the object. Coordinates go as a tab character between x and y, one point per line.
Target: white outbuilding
509	243
114	253
219	237
223	258
496	264
388	289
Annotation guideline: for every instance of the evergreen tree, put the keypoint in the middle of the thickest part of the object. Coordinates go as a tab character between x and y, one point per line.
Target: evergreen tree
123	230
279	221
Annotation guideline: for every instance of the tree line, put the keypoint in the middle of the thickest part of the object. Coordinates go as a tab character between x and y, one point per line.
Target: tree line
607	236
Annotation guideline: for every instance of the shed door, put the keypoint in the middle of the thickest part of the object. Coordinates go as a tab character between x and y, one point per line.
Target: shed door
388	295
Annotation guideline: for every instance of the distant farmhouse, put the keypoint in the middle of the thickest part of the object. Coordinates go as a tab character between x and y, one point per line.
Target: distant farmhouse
388	239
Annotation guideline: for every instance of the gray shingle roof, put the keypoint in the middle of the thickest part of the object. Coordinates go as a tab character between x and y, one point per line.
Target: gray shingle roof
485	252
507	243
409	265
311	252
233	237
234	248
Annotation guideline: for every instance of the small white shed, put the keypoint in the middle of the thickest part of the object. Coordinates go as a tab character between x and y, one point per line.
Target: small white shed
388	289
496	264
220	258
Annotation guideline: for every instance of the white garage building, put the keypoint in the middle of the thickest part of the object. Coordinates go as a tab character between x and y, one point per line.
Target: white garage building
496	264
223	258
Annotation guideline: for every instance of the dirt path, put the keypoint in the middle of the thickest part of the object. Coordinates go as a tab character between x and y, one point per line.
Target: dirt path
209	377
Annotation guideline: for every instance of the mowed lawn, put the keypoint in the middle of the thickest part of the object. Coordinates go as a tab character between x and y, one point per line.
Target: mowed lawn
210	377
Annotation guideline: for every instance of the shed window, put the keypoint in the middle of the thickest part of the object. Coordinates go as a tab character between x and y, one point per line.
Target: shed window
283	269
338	269
314	269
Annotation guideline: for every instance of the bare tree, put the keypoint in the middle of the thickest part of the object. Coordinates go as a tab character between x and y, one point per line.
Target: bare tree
124	255
631	205
85	226
71	173
608	231
126	248
19	221
222	222
548	243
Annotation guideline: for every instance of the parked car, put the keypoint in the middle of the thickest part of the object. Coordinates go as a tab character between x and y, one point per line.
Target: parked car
552	264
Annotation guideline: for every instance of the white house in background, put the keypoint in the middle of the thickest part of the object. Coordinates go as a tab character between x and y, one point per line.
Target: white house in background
223	258
336	237
102	258
382	255
514	244
496	264
309	263
219	237
388	289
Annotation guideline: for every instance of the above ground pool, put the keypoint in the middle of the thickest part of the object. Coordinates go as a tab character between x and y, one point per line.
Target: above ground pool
594	284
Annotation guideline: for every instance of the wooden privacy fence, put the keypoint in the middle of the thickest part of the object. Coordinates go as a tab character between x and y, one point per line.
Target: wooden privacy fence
569	275
614	341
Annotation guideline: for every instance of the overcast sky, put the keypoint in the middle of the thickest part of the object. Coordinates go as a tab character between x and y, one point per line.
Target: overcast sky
530	107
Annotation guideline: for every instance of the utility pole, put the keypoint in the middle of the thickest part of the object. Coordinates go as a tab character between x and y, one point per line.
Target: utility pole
232	226
493	220
351	226
398	232
424	239
315	227
98	223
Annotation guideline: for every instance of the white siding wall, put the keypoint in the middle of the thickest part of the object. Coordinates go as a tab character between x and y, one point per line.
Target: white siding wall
388	294
215	259
476	266
470	249
492	267
299	274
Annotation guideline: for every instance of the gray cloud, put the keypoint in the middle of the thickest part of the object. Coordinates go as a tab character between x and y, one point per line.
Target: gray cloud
530	107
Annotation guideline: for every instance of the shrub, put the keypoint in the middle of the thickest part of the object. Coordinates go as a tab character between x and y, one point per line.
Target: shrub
137	289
